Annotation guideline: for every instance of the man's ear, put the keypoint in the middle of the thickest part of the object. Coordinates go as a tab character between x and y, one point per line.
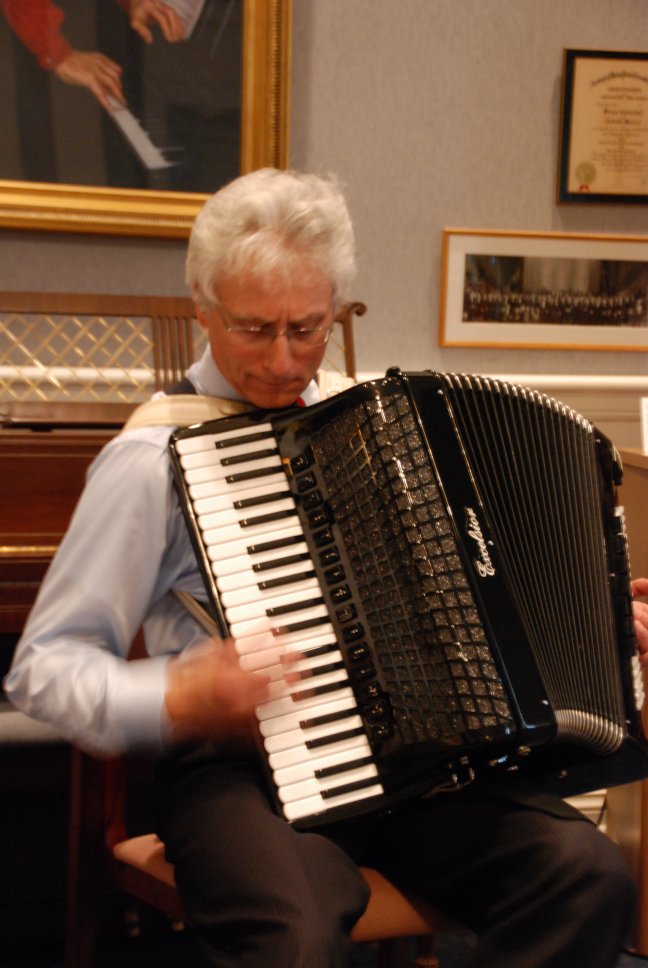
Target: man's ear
201	316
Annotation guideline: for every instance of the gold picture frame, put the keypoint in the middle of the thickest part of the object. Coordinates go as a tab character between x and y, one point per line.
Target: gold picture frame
166	214
544	290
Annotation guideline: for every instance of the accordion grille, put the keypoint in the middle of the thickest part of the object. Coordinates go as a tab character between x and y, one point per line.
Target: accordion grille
434	656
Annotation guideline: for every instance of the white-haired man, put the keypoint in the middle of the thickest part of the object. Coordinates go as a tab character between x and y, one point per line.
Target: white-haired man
270	258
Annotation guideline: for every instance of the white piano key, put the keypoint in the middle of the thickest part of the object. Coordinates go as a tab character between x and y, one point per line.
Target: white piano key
264	623
279	670
249	579
238	563
315	786
291	744
292	692
293	719
263	657
217	472
148	152
279	707
234	549
234	532
211	457
235	516
188	445
311	806
305	769
240	607
304	757
257	642
218	502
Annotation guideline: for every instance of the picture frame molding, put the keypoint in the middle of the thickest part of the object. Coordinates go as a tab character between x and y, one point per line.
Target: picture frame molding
265	103
455	331
575	105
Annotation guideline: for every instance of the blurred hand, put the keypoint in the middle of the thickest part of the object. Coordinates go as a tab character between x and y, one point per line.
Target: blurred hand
209	697
98	73
640	612
143	11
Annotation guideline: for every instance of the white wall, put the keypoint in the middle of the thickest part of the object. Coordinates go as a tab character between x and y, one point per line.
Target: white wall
446	113
433	113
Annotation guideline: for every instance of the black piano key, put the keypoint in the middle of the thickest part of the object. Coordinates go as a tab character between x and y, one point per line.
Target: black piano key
252	475
296	576
252	455
246	439
326	718
343	767
349	788
313	744
274	544
294	607
308	623
251	502
266	518
321	670
279	562
318	690
319	650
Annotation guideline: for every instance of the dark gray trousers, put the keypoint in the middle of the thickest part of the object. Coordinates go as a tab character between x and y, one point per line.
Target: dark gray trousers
540	886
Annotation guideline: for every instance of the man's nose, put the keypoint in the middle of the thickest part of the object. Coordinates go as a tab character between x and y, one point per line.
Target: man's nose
279	353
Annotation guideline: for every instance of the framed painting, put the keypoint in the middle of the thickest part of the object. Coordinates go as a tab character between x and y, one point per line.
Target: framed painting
604	130
544	290
128	136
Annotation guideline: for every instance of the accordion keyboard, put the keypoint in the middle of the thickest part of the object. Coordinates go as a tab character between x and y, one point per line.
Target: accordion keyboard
314	738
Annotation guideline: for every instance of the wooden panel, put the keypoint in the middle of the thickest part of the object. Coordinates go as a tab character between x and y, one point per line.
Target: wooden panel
41	477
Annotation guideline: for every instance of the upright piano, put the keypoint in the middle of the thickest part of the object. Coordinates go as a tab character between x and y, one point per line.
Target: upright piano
45	450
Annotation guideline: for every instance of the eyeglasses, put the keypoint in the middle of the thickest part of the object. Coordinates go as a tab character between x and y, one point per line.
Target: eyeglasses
261	335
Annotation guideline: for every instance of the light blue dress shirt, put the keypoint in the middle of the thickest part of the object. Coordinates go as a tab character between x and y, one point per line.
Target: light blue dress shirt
126	549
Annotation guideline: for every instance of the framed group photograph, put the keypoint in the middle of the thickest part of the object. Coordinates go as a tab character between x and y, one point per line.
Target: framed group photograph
604	127
544	290
114	125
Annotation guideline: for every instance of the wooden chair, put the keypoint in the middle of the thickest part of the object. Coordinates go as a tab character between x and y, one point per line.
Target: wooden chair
102	854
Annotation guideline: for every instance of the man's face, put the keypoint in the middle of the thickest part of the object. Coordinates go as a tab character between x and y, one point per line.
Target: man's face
274	374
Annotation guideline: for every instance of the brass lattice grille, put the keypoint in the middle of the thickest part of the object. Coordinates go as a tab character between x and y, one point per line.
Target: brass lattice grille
74	357
112	349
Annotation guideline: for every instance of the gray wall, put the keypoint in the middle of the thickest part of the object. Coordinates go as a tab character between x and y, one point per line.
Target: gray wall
433	113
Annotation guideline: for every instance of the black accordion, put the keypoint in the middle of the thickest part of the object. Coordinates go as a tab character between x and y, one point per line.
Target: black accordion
444	557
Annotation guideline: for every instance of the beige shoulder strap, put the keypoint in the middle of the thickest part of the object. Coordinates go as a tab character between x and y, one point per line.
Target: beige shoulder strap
182	409
331	383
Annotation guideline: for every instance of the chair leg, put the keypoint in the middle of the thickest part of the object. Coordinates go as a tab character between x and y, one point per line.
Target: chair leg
397	953
425	952
86	851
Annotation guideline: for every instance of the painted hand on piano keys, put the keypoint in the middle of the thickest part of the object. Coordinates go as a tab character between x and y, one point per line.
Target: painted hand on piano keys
100	74
640	612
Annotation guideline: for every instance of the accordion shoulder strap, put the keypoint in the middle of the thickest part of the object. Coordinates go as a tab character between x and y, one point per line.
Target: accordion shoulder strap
198	611
182	410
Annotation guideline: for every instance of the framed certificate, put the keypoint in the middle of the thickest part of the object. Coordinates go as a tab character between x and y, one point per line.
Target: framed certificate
604	130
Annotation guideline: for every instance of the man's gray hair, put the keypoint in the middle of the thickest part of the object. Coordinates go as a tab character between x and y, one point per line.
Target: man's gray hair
269	221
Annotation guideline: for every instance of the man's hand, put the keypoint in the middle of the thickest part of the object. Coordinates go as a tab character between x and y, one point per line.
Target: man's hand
143	11
640	612
98	73
209	697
